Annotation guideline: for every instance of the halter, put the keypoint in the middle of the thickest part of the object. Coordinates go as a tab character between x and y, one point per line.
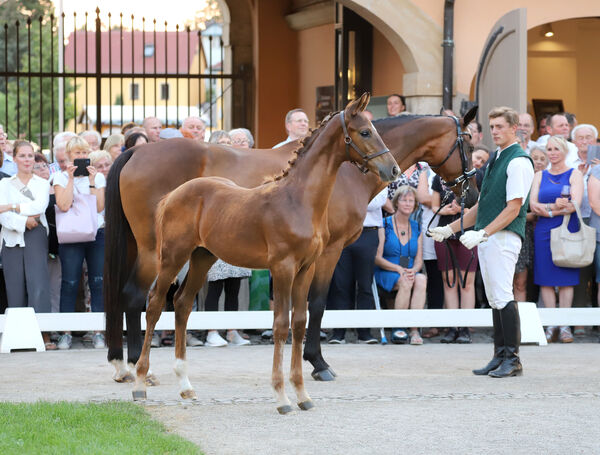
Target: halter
365	157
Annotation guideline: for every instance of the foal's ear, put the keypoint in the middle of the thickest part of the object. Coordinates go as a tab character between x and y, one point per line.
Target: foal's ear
470	116
360	104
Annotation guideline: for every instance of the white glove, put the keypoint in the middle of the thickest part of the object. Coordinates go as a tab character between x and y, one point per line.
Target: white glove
473	238
439	234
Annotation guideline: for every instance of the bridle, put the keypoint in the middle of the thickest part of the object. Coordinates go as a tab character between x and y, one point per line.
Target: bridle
462	180
365	157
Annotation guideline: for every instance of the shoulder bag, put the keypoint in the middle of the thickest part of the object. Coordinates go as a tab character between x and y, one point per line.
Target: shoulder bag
573	249
80	222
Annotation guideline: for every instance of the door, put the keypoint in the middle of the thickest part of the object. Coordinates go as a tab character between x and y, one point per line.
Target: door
502	71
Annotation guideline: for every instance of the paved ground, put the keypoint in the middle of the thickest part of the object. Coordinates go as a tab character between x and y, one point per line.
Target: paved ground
387	399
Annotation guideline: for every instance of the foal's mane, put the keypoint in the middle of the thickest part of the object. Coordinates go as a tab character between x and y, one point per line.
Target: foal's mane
303	146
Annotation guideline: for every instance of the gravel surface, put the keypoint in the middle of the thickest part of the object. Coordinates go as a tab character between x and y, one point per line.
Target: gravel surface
386	399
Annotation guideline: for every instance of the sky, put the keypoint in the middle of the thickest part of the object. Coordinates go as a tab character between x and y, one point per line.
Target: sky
172	11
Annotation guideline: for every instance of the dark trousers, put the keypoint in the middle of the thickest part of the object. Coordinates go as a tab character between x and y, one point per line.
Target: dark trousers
435	285
71	260
232	290
353	278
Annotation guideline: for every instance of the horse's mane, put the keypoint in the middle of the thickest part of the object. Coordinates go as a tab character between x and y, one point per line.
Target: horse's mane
384	124
303	146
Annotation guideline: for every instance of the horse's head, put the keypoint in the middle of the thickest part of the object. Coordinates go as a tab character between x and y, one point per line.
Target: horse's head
364	146
456	168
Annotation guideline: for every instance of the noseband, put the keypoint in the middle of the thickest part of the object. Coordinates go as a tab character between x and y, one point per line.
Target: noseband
365	157
459	145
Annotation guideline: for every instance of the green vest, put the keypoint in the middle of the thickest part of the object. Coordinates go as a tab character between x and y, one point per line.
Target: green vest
492	199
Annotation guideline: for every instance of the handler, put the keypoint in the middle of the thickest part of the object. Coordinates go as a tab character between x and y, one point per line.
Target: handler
499	219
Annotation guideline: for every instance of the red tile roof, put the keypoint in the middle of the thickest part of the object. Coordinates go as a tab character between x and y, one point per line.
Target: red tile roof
139	62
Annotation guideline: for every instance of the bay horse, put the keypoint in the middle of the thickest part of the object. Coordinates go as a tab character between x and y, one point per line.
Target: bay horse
140	177
280	225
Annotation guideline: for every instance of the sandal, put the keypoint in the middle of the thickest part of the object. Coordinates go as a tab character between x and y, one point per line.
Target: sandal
565	335
415	338
551	332
50	346
431	332
167	340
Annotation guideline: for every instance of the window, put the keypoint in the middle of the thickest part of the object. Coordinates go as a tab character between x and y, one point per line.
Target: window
164	91
149	50
134	91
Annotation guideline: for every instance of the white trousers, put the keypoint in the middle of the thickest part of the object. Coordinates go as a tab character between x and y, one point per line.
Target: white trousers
497	259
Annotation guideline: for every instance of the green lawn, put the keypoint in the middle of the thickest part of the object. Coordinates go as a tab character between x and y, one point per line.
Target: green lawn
74	428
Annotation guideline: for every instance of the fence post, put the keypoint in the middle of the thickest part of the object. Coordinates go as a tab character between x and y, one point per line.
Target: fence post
98	72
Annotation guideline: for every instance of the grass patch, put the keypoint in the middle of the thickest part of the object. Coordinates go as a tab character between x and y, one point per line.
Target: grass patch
104	428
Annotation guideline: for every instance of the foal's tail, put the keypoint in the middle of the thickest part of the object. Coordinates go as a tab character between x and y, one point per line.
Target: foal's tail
116	272
159	217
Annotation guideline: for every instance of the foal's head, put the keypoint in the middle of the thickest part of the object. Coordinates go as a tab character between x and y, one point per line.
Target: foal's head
363	143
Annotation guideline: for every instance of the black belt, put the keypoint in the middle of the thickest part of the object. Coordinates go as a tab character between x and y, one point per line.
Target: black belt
369	228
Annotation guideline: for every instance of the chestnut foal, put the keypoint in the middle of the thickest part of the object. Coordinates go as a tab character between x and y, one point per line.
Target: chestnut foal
280	226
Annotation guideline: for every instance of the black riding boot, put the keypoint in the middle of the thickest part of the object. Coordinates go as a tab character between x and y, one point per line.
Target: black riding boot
498	346
511	327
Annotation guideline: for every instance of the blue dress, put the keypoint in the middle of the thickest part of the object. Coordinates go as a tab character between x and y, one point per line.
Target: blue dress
545	273
393	250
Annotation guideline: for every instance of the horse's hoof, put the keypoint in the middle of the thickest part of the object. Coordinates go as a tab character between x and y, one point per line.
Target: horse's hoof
139	395
284	409
152	380
333	373
125	378
188	395
323	375
306	405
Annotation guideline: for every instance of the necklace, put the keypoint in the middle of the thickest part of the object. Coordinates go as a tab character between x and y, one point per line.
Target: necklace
403	232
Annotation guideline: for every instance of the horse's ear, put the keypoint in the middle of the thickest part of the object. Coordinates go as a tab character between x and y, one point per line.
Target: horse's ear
470	116
360	104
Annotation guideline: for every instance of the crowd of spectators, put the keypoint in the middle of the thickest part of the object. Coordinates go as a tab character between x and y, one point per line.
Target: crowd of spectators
409	269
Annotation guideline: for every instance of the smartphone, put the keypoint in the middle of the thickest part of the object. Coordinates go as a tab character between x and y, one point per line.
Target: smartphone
82	165
593	153
404	262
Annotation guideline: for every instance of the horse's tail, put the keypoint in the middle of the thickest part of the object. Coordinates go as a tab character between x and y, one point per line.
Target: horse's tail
116	273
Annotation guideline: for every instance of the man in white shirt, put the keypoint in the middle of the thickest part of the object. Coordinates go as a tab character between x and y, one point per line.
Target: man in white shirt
499	219
9	167
558	125
296	125
526	130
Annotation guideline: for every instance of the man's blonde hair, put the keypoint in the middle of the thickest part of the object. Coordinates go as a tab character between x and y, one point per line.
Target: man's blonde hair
509	114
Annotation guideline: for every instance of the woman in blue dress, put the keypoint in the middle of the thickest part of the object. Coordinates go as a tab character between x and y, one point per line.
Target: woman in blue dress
399	260
546	202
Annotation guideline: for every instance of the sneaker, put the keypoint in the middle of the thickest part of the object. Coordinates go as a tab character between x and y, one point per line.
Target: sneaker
65	341
155	343
399	336
98	341
235	339
336	341
267	334
450	336
192	341
214	340
464	336
370	340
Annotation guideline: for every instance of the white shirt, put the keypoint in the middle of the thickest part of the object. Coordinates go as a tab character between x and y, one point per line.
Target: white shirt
530	145
8	166
519	177
374	216
586	209
82	185
14	224
289	139
428	242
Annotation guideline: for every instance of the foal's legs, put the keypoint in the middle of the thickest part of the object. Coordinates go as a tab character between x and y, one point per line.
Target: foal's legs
299	295
200	262
283	275
172	261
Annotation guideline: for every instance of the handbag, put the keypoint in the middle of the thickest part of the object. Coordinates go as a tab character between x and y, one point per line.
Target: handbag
80	222
573	249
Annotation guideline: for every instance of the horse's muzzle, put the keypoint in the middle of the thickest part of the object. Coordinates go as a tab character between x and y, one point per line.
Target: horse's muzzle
389	173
